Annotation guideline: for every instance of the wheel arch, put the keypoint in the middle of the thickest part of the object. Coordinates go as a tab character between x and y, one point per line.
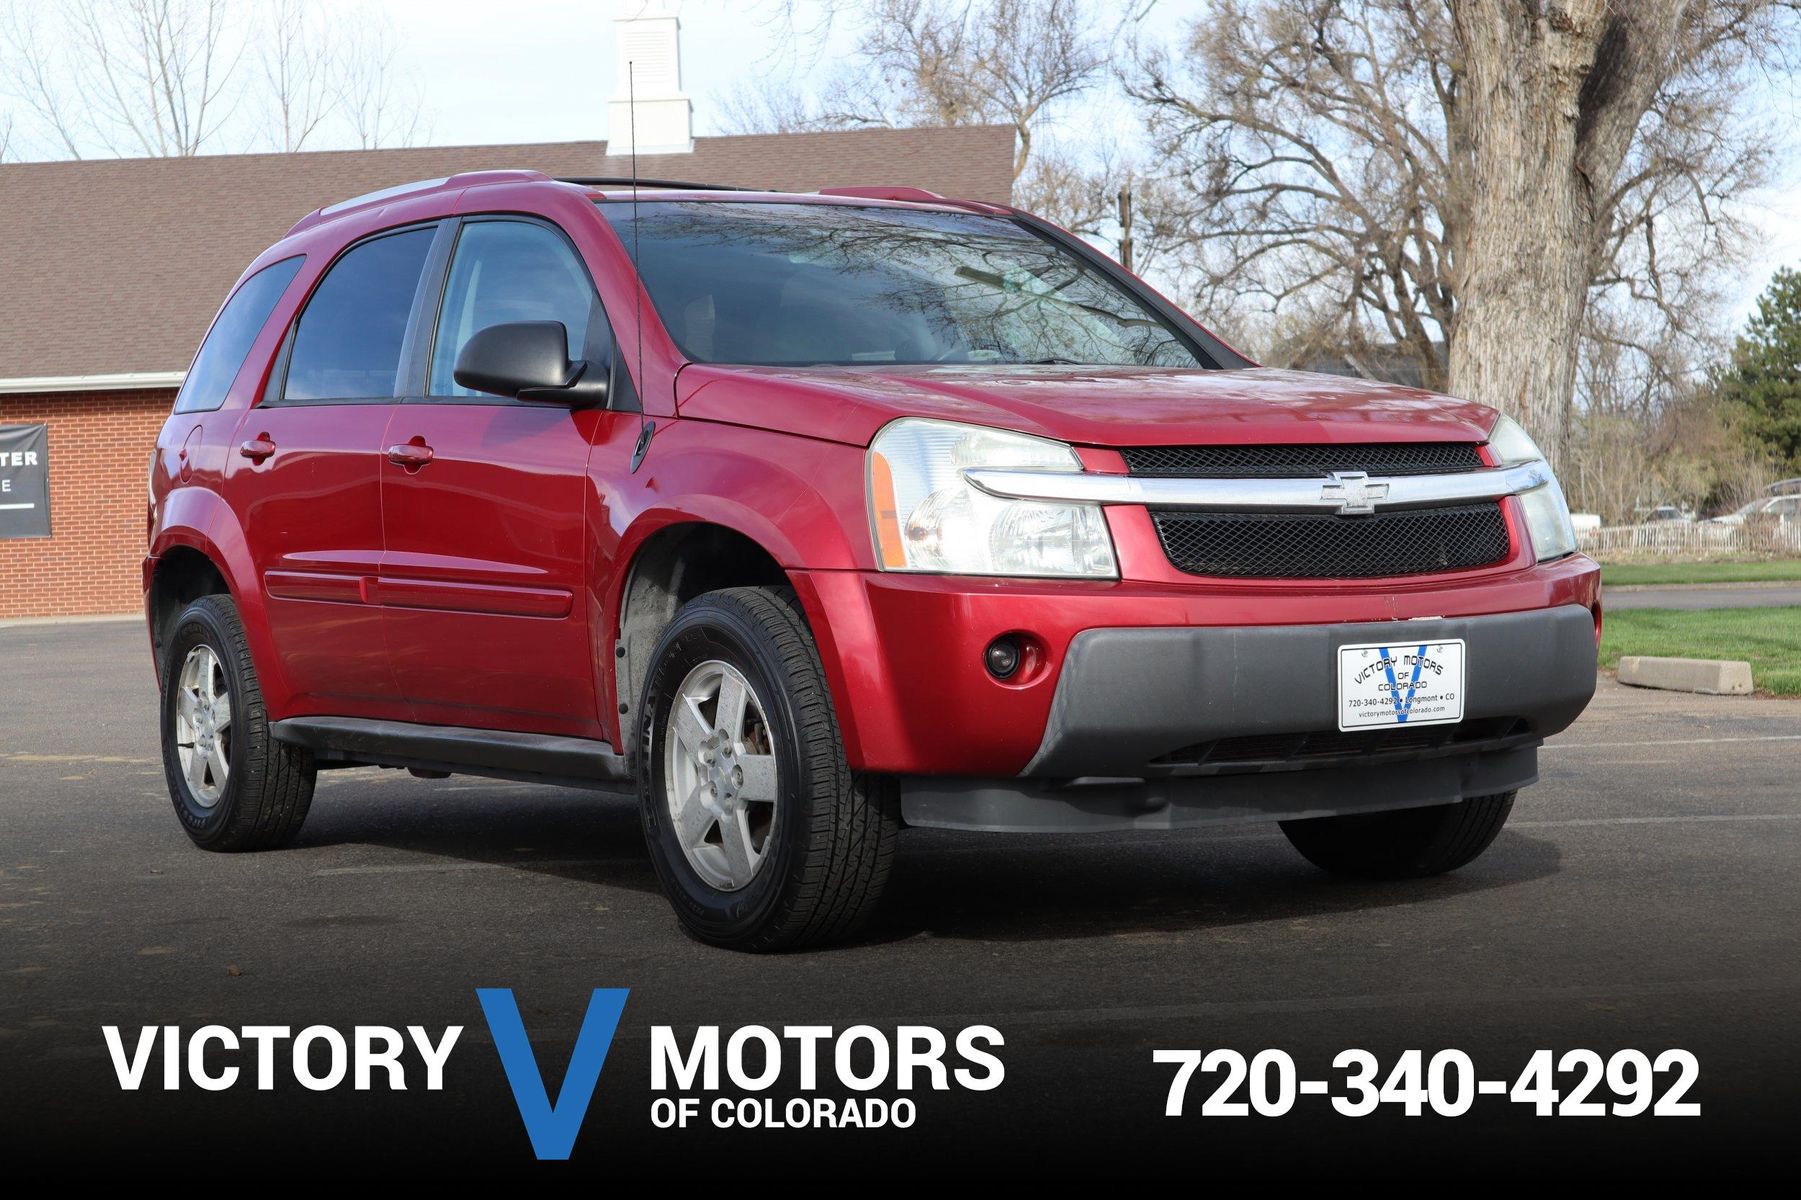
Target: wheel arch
183	573
199	539
667	567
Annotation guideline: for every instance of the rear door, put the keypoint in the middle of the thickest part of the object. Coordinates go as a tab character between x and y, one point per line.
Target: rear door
305	478
483	500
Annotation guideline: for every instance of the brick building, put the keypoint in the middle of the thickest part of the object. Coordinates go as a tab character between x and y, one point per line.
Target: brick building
110	272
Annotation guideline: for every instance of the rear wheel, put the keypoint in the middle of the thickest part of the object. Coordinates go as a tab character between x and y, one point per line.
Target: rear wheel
761	835
233	786
1406	843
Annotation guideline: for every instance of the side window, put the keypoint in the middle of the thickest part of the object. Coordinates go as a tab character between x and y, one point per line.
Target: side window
227	344
348	343
508	271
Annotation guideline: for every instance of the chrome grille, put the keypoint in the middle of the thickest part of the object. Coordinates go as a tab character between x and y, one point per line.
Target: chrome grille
1291	545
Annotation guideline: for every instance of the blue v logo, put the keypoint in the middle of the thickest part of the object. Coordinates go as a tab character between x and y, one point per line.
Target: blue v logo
552	1127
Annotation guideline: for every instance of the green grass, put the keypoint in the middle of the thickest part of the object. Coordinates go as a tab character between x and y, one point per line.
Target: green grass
1767	638
1701	572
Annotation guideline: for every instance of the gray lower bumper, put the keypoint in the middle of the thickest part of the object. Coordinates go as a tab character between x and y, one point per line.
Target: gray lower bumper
1130	703
1175	802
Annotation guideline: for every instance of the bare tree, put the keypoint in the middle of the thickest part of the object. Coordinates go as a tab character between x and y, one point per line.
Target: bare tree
182	77
145	77
384	109
1469	180
1009	61
940	62
1078	194
770	106
299	59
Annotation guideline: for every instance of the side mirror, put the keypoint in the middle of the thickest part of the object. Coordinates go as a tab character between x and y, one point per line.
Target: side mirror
528	360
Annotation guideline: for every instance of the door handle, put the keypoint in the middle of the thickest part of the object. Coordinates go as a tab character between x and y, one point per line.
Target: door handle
411	455
257	448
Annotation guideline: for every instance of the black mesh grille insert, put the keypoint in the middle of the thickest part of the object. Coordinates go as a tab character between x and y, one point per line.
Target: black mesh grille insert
1301	462
1326	546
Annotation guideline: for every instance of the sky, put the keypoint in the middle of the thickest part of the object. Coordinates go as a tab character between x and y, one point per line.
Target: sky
542	70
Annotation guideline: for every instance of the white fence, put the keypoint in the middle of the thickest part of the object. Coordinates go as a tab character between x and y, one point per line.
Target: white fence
1700	540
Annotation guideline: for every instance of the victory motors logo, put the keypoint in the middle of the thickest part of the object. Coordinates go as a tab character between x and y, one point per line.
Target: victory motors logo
713	1076
552	1127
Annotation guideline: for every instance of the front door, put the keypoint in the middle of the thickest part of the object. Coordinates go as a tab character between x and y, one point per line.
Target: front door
482	583
305	478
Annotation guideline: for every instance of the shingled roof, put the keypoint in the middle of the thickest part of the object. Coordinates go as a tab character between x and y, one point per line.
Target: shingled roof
111	269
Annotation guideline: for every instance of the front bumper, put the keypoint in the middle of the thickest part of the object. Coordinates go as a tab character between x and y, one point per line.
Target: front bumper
1136	675
903	653
1161	728
1132	702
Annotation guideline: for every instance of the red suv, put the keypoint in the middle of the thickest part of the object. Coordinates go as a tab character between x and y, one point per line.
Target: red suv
808	517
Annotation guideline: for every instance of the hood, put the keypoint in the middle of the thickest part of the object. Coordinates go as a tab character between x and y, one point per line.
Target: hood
1092	406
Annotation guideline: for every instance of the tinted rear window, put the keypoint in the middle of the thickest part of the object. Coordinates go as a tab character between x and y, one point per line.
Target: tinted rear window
228	343
348	343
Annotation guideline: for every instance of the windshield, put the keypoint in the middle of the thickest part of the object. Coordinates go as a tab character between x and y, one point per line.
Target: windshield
806	284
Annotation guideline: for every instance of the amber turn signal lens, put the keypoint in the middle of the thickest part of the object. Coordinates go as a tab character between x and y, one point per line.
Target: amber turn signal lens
882	512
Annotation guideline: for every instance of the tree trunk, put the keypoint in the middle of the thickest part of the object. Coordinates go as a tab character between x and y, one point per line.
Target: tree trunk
1550	96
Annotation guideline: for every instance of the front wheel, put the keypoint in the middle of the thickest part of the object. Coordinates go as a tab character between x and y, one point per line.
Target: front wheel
761	835
233	786
1404	844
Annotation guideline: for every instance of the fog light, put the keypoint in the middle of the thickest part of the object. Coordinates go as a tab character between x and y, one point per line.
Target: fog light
1002	657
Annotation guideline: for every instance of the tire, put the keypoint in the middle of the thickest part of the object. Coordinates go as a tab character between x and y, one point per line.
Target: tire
262	800
803	869
1407	843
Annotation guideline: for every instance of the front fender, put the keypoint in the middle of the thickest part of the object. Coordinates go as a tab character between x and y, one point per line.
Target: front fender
800	499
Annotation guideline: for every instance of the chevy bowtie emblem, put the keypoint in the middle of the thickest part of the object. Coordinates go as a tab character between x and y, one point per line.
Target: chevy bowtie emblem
1355	494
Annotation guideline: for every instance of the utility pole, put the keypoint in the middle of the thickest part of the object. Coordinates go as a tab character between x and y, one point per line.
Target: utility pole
1125	227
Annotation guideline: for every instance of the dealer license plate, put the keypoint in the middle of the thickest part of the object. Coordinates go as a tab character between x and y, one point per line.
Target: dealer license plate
1400	683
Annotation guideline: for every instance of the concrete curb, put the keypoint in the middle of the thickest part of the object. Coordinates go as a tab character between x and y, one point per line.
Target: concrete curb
100	619
1749	585
1708	676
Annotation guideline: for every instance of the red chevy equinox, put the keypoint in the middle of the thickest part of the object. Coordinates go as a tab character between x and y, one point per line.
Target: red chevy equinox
806	518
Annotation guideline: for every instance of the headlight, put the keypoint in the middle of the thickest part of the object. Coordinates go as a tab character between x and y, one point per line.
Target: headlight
1547	513
925	516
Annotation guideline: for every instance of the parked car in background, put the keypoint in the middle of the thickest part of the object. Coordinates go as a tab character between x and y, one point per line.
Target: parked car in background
803	517
1781	501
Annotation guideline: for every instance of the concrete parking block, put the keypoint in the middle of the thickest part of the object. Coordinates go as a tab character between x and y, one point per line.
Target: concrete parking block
1712	677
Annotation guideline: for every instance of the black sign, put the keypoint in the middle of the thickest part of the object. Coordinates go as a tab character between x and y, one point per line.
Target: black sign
24	481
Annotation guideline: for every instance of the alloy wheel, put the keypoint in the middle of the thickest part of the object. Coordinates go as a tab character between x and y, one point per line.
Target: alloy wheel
719	775
203	725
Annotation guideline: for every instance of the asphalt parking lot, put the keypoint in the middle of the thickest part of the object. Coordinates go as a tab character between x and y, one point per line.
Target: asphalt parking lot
1645	895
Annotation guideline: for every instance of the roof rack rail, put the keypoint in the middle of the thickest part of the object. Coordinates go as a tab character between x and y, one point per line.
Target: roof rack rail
682	185
882	192
460	179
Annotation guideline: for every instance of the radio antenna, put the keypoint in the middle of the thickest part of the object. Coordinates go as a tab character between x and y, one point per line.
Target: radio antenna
645	427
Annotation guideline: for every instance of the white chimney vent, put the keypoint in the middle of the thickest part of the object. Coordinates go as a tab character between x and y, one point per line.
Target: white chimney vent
647	62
